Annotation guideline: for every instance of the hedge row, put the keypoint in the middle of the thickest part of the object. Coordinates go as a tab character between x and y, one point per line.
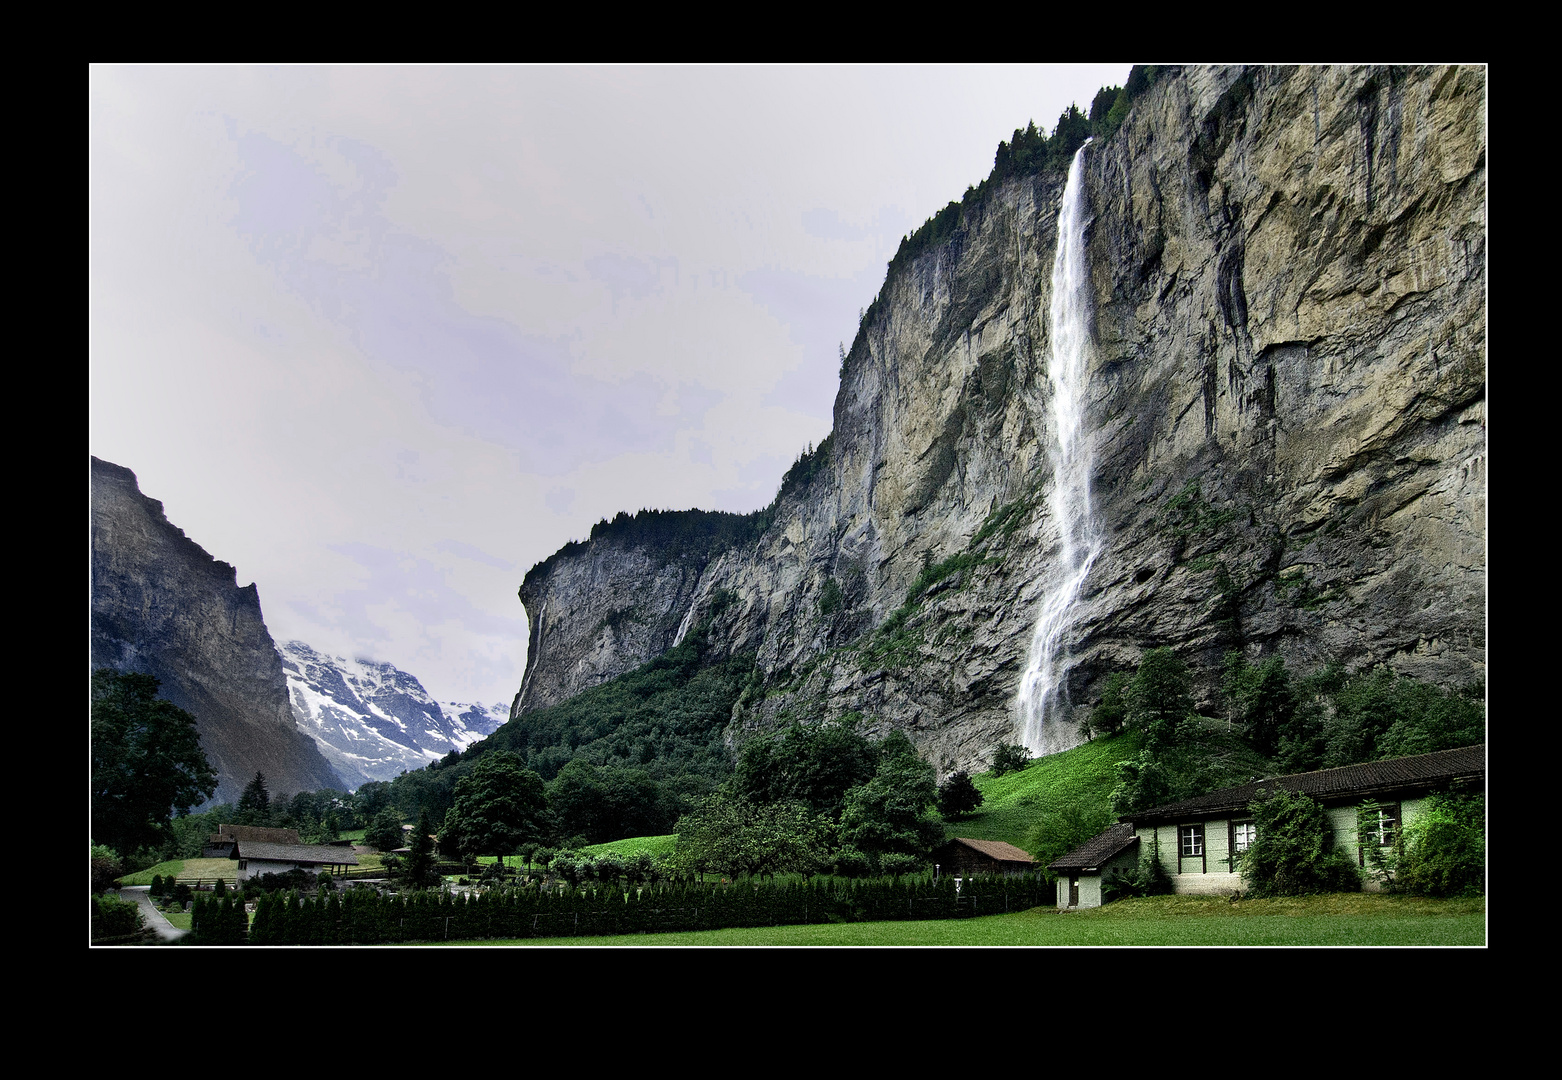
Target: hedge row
363	917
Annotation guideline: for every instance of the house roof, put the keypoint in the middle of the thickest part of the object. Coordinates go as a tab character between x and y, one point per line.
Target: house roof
993	849
230	833
1097	850
1393	776
308	854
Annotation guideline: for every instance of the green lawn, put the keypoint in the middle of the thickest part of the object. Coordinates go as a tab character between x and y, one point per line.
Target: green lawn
172	868
1344	919
1013	804
659	846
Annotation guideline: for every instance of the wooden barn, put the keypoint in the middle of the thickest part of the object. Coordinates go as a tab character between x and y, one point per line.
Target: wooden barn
962	857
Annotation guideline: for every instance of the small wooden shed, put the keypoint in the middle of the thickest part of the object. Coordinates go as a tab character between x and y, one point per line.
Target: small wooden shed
962	856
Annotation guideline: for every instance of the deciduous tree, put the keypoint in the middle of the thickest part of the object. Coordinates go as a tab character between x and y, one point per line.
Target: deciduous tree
498	807
147	762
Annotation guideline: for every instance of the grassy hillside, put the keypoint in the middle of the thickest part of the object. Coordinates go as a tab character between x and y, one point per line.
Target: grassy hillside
659	846
1052	799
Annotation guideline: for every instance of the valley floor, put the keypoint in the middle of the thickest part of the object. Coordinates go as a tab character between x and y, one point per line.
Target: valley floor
1342	919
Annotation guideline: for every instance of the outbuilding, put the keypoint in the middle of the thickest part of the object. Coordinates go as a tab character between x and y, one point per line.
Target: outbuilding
219	845
962	856
1082	871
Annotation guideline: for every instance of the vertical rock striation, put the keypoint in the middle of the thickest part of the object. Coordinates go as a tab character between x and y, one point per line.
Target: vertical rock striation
164	607
1286	397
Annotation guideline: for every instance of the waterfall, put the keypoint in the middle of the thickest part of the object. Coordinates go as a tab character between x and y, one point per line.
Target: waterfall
1042	692
683	627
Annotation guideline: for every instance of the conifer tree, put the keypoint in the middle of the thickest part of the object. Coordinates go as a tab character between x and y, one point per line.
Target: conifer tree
419	869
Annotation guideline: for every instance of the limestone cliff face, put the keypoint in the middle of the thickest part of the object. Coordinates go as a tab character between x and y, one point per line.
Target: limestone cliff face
164	607
613	606
1286	401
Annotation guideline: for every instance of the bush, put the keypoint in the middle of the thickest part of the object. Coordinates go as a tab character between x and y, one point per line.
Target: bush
1445	849
105	871
1010	757
1294	853
1149	878
112	917
261	884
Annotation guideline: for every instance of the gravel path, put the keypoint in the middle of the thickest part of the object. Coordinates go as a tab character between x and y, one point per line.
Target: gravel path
141	894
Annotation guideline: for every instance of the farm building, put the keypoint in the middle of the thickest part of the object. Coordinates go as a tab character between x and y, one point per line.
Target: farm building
256	857
962	856
219	845
1200	841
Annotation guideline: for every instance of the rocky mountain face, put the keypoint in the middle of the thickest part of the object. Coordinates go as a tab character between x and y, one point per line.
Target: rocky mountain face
164	607
1285	403
371	720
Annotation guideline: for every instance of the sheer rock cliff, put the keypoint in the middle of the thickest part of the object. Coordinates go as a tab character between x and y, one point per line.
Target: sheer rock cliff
1286	400
163	607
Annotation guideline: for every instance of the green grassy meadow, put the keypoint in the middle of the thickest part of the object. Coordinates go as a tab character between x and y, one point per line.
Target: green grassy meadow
1336	920
1013	804
658	846
188	869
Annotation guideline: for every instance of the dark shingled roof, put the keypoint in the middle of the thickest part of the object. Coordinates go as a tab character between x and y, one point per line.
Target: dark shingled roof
993	849
230	833
309	854
1092	853
1393	776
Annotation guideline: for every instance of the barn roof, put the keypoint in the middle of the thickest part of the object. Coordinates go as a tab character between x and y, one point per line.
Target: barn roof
993	849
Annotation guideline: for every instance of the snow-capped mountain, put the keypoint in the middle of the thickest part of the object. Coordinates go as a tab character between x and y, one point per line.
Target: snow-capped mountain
373	720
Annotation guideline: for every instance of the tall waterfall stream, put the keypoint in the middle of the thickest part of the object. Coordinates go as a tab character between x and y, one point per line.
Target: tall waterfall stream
1043	700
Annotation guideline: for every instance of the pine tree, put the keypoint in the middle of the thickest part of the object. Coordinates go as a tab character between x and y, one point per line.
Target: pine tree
255	802
420	860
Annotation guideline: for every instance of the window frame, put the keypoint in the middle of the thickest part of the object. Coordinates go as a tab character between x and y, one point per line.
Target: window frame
1237	845
1385	831
1192	835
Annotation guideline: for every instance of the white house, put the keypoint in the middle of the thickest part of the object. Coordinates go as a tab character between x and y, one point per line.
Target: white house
256	857
1200	841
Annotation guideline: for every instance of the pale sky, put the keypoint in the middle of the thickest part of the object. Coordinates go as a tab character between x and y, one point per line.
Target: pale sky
383	338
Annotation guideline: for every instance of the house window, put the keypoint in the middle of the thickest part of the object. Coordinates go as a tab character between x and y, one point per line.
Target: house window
1192	840
1379	823
1377	826
1243	833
